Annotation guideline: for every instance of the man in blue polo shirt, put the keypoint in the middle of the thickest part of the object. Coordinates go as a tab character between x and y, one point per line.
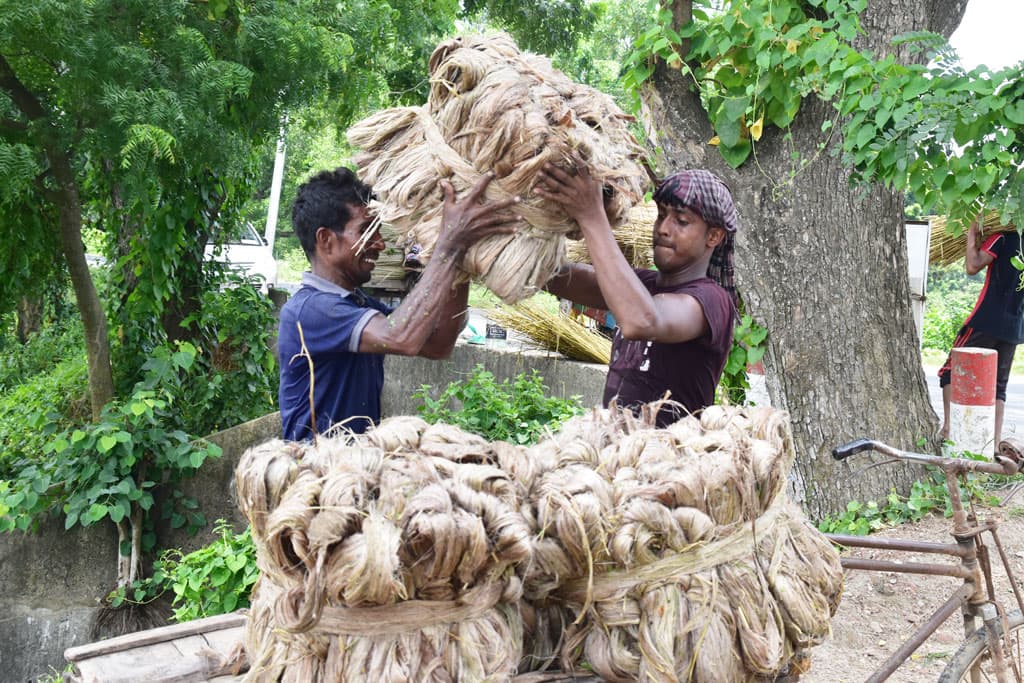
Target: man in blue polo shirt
330	326
997	321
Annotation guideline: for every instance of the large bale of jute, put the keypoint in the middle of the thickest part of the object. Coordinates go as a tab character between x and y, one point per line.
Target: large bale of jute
493	108
379	561
675	551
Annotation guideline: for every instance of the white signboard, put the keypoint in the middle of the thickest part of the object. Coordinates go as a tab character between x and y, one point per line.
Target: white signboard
919	235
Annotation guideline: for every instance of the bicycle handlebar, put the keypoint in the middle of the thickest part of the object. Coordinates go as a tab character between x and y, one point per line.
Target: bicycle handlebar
852	448
1001	465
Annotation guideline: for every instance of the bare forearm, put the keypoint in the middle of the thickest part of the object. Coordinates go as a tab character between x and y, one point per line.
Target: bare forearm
975	259
578	284
450	322
407	329
623	293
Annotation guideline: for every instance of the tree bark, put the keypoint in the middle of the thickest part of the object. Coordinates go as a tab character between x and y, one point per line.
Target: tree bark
69	206
823	265
30	316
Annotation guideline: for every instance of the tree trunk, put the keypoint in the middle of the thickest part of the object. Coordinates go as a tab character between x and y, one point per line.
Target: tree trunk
94	320
823	265
30	316
69	207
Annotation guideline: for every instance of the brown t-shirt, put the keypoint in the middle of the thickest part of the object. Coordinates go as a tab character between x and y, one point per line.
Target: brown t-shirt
641	371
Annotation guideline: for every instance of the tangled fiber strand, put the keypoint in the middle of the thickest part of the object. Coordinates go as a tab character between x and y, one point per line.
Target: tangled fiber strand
382	562
494	108
675	550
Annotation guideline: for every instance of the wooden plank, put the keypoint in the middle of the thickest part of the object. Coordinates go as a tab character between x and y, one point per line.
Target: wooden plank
190	659
155	635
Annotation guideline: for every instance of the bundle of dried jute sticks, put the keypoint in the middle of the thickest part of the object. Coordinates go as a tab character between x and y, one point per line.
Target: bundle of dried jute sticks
494	108
634	237
674	552
380	561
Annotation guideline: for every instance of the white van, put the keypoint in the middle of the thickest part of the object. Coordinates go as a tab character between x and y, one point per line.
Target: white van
249	254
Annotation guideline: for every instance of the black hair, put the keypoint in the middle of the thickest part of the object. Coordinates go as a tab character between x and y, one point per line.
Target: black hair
326	200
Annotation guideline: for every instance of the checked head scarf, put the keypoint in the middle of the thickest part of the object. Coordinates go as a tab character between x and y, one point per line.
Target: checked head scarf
707	194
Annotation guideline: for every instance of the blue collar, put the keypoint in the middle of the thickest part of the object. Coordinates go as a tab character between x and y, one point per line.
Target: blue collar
325	285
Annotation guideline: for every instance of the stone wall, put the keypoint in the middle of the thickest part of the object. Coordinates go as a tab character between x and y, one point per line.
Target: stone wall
52	582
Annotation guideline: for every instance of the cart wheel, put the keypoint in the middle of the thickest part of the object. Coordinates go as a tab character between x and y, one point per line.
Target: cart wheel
974	654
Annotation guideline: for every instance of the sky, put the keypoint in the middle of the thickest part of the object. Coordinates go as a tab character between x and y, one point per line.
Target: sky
990	33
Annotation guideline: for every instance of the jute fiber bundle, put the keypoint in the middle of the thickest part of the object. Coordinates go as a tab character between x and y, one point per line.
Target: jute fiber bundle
675	551
381	562
634	238
494	108
390	266
945	247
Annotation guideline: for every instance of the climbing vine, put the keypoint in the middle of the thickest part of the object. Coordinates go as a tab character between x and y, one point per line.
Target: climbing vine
946	135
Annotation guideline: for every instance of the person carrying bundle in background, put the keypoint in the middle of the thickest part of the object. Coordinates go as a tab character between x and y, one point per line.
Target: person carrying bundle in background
675	324
331	325
997	321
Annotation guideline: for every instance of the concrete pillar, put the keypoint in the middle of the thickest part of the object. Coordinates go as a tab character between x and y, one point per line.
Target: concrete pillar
757	394
972	406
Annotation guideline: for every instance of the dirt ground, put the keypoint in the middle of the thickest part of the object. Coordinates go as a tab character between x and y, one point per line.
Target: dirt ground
879	610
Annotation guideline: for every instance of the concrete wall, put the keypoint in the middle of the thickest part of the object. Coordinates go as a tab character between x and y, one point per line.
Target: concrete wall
404	376
52	582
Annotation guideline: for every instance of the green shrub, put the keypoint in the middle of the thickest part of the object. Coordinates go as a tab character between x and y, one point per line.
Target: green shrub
19	363
951	297
927	495
234	378
518	411
43	405
215	579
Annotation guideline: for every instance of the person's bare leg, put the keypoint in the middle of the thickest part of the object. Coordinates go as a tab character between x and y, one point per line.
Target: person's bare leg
1000	406
946	393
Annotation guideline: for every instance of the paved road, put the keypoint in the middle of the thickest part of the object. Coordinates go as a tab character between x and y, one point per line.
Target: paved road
1013	418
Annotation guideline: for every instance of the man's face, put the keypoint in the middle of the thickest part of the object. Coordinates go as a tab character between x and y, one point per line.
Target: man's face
348	258
681	237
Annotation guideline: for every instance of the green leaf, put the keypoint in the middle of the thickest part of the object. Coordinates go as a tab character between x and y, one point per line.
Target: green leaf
106	443
95	513
735	156
1015	113
116	514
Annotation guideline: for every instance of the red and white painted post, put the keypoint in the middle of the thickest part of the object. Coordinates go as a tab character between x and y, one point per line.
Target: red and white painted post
972	405
757	393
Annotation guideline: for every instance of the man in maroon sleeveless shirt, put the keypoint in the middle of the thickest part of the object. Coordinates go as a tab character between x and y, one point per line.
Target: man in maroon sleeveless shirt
676	323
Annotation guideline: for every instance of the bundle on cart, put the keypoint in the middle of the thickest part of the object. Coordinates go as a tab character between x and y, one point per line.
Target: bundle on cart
383	561
673	554
494	108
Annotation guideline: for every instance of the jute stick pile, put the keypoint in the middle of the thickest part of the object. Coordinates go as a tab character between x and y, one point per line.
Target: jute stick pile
494	108
424	553
946	248
634	237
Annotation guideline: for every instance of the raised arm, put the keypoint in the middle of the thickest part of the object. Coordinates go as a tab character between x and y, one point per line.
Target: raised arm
976	259
450	322
407	329
665	317
577	282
